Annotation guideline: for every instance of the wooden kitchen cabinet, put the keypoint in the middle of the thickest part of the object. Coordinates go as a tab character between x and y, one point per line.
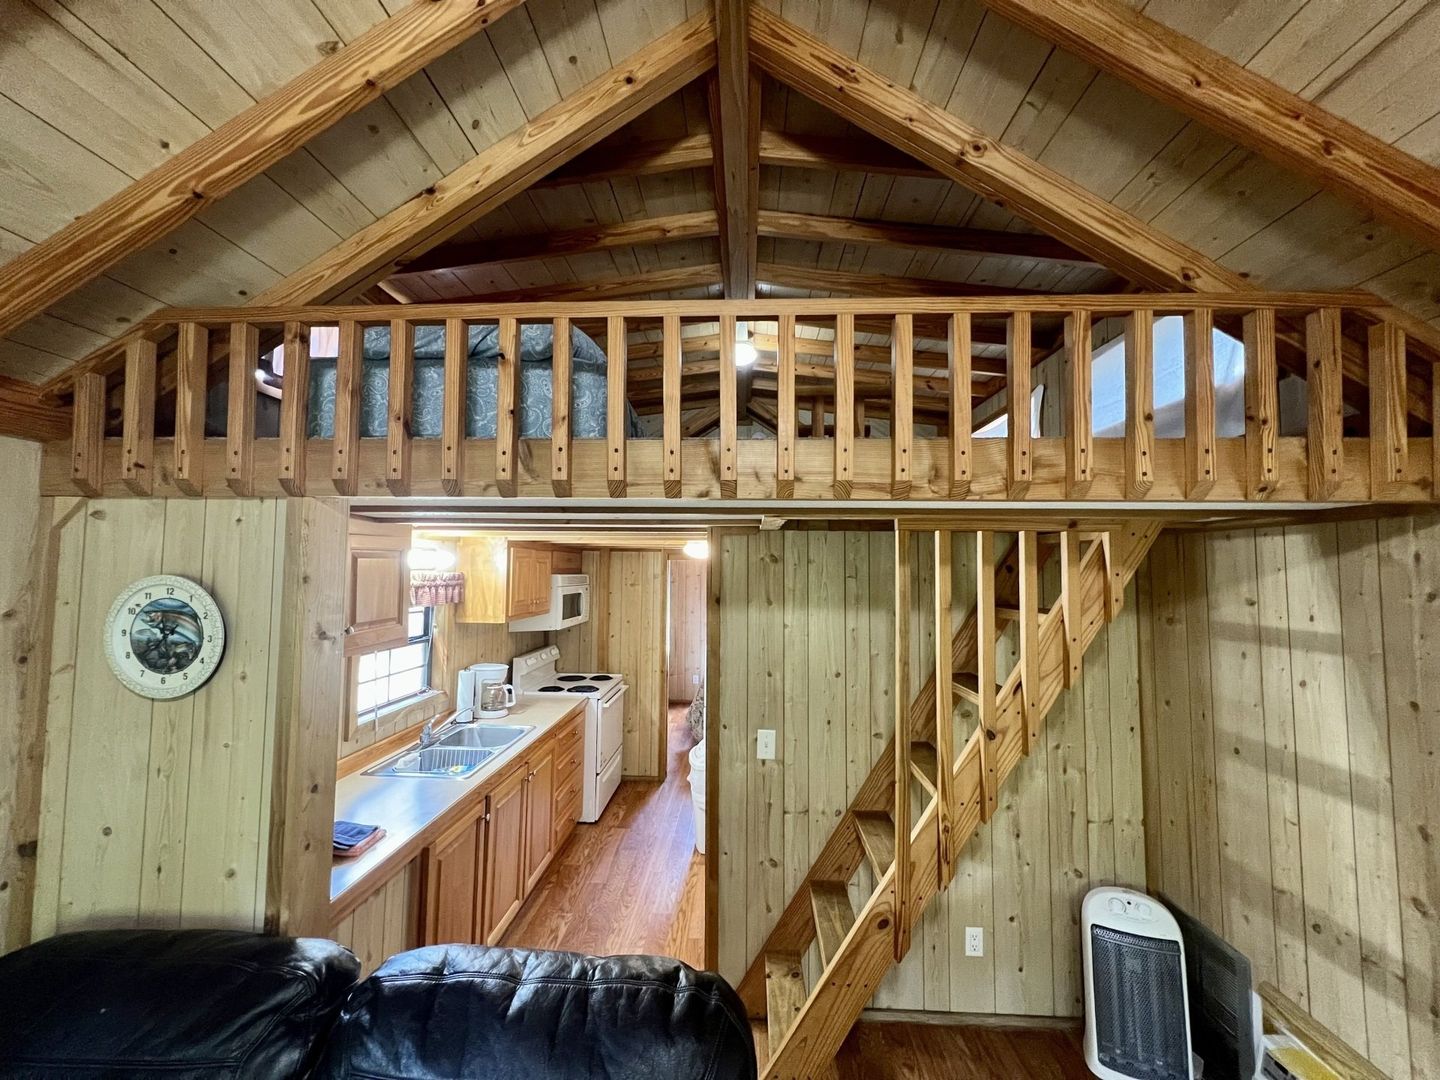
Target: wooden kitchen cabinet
529	586
505	888
502	580
451	879
539	815
377	586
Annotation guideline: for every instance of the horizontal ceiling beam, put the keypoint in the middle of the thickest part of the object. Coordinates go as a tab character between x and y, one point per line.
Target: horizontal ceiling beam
808	346
791	276
237	151
1246	107
793	226
652	158
670	279
502	249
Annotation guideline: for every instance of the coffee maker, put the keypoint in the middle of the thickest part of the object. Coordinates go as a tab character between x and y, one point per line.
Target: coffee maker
470	692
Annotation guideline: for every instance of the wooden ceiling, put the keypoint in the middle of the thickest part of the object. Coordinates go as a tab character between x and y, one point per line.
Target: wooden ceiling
94	94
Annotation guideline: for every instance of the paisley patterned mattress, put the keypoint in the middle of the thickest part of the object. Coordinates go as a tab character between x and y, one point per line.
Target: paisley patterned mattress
536	347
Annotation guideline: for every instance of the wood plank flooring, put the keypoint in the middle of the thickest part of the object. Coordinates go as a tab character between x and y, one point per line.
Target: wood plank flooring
632	882
896	1051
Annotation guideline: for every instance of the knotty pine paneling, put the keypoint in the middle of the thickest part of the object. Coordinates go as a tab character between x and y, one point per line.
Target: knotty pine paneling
805	636
1291	704
687	628
158	813
635	646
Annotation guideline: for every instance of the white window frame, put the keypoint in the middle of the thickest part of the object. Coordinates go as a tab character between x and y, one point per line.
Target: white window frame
427	638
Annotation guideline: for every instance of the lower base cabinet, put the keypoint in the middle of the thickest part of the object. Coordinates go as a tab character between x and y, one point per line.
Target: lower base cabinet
476	876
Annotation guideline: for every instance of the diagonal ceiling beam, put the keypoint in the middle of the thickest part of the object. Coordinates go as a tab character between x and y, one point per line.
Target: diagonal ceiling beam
237	151
966	155
665	229
1236	102
794	226
735	125
482	184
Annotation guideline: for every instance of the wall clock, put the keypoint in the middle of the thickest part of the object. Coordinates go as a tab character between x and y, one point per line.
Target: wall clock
164	636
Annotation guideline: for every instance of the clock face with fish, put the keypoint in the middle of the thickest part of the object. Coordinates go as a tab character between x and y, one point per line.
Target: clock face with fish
164	636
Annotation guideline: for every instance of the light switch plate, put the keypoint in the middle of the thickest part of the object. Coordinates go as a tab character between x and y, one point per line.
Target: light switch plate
765	744
974	941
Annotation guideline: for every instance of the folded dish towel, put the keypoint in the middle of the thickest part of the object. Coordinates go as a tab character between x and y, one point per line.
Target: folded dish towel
351	839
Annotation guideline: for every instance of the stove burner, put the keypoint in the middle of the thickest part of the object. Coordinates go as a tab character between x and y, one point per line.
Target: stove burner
584	689
570	678
601	678
551	690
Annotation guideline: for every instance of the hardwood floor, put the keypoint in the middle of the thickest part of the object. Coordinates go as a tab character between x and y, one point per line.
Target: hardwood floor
886	1051
632	882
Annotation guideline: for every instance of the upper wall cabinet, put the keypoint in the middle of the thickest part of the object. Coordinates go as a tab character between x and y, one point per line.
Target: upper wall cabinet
377	587
503	581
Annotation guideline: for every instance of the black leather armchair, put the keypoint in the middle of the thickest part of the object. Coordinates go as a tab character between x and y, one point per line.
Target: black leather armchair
514	1014
183	1004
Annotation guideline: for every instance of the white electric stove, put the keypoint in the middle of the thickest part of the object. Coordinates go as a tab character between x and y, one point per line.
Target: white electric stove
604	693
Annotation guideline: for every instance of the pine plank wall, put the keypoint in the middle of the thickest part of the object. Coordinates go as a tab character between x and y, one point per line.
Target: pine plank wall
806	639
1291	696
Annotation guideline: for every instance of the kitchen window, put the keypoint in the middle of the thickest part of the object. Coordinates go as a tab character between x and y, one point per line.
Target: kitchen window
392	677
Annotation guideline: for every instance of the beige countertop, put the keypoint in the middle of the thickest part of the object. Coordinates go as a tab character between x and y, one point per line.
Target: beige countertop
413	809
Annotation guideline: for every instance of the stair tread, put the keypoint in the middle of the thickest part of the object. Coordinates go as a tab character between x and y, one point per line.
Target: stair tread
785	995
877	837
833	915
924	763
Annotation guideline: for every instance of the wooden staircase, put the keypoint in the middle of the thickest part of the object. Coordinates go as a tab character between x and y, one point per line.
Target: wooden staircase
911	849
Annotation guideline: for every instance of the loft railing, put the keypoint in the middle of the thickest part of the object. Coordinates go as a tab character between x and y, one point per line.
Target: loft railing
1367	426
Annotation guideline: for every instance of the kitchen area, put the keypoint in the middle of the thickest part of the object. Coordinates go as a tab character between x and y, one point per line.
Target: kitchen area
501	687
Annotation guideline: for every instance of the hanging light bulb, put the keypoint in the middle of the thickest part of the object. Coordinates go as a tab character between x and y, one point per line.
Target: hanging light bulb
696	549
744	351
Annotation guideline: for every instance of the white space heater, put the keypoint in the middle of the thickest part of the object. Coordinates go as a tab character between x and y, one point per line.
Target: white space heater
1137	1020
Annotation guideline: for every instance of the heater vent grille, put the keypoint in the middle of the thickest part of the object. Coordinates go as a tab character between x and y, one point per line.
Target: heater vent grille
1139	1005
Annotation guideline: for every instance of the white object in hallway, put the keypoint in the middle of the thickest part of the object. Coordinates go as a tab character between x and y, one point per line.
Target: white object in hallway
697	792
604	693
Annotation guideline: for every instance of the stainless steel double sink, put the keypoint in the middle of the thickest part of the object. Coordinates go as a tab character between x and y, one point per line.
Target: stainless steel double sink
457	754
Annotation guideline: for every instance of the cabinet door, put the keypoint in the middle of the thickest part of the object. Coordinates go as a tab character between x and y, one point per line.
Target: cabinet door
483	562
451	884
539	816
377	587
529	592
504	859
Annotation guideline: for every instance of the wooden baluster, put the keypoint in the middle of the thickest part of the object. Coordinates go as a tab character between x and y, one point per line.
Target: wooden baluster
1389	442
1139	404
560	394
945	703
785	410
398	433
1199	402
137	430
345	450
817	417
901	701
1435	432
1071	604
985	641
1079	424
860	418
729	412
617	417
960	391
1262	403
87	435
295	407
453	406
507	443
240	420
1017	398
1029	640
192	381
902	403
671	395
1325	411
844	481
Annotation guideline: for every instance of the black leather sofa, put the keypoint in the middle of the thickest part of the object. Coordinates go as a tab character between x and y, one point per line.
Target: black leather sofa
206	1004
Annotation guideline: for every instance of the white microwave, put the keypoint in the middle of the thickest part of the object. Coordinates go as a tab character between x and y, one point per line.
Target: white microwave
569	605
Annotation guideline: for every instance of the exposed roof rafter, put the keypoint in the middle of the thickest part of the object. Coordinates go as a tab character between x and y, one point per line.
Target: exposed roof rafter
843	281
237	151
793	226
735	125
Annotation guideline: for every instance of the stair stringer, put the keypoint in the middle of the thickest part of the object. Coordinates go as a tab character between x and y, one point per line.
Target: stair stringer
848	982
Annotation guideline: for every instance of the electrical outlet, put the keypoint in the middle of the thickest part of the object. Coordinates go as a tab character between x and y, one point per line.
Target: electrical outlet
765	744
974	941
695	679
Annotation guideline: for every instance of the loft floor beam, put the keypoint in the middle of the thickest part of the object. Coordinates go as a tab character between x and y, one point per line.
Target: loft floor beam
1244	106
237	151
